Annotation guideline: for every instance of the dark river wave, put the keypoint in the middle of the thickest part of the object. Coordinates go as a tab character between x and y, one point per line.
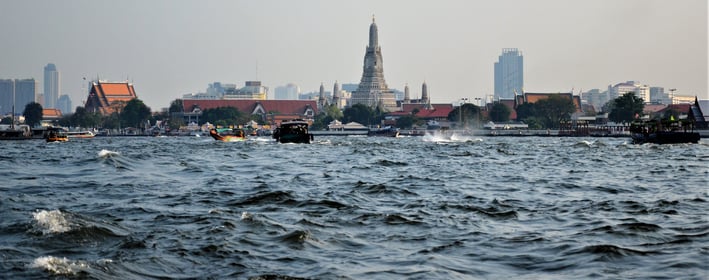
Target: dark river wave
354	208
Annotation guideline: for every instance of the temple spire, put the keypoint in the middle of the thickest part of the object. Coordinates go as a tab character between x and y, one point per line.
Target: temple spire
373	35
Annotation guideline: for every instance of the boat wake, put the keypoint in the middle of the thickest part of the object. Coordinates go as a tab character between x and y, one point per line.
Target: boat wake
60	266
106	153
449	138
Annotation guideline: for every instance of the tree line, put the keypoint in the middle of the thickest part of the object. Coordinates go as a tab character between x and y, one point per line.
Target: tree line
543	114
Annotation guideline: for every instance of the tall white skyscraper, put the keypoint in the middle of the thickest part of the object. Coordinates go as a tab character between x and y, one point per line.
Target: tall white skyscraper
52	86
509	78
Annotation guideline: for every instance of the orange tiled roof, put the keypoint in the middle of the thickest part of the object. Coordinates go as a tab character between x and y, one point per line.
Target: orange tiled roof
49	113
103	96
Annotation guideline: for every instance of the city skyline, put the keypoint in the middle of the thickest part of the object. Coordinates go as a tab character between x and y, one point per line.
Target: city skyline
170	48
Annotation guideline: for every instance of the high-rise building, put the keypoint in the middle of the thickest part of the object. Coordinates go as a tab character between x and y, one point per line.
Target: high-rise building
373	90
7	91
17	92
658	96
25	93
288	92
618	90
509	76
64	104
52	86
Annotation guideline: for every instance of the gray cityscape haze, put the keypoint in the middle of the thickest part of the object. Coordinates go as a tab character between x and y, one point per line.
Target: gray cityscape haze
169	48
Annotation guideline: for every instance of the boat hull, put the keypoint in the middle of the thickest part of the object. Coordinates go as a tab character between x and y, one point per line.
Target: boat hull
295	138
387	132
57	139
295	131
226	138
666	138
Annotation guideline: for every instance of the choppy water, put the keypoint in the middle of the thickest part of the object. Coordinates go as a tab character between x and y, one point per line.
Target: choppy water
354	208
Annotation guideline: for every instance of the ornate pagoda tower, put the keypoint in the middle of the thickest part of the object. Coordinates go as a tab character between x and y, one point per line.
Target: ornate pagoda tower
373	90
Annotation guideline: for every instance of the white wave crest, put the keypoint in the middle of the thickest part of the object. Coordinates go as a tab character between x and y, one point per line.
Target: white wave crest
106	153
61	266
51	221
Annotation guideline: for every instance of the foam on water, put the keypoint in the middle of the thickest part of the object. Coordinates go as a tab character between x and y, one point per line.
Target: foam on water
60	266
53	221
452	138
106	153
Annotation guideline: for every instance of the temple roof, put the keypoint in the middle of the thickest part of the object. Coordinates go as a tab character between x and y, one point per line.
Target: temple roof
105	94
51	113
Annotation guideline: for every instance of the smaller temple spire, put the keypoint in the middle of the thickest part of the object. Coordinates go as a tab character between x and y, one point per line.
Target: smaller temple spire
322	102
336	95
407	97
424	92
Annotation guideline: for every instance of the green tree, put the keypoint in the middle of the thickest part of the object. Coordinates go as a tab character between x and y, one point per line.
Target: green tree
224	116
135	113
33	114
553	110
175	120
526	110
407	121
333	112
624	108
499	112
176	106
358	113
470	114
327	115
81	118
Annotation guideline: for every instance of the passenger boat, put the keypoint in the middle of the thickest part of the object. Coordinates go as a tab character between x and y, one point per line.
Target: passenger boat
294	131
80	134
56	135
663	132
227	134
387	131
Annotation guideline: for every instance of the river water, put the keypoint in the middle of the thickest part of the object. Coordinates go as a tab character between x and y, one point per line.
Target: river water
354	208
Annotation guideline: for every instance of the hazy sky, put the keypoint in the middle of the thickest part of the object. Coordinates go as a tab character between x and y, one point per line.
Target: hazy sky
169	48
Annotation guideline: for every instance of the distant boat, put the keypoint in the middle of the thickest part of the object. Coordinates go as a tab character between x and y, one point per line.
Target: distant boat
294	131
664	132
227	134
11	132
387	131
56	135
80	134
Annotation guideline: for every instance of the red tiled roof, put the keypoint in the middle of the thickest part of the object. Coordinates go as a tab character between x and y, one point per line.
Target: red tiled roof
682	108
653	108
